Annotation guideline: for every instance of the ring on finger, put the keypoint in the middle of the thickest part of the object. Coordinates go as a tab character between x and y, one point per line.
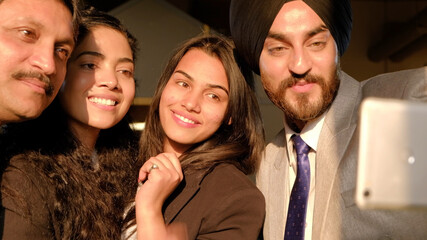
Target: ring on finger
154	166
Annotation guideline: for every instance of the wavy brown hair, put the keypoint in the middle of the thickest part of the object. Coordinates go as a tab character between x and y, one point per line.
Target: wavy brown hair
89	199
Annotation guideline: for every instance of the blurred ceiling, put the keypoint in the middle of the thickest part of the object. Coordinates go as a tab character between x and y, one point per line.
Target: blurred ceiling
410	37
211	12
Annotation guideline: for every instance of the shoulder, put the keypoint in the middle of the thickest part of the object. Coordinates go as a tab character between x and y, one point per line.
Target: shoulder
228	185
20	161
25	196
25	190
25	165
230	176
277	142
402	75
23	170
405	84
23	176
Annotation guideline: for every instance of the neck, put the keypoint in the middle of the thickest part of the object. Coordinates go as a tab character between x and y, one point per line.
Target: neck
87	135
174	147
295	125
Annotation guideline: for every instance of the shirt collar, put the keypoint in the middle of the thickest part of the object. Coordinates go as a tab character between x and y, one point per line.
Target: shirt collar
310	133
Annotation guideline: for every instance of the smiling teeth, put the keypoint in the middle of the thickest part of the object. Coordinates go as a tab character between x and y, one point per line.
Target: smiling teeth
185	119
103	101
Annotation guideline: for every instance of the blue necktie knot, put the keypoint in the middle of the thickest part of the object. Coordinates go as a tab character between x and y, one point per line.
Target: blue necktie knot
300	146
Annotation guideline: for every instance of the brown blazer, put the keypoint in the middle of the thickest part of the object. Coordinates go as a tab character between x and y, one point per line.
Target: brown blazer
223	204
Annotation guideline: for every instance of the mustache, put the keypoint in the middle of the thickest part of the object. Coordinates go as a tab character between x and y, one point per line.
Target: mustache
41	77
292	80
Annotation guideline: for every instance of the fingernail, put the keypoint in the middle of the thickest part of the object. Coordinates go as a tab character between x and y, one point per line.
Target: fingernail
139	185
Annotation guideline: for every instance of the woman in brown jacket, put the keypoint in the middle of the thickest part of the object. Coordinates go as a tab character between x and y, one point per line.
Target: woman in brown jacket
203	135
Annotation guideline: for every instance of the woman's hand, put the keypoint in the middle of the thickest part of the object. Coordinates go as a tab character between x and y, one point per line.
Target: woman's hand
158	178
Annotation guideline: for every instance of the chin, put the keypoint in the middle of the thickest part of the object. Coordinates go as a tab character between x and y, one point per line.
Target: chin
30	113
101	125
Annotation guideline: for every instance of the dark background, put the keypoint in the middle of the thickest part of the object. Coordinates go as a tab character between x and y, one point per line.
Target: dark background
211	12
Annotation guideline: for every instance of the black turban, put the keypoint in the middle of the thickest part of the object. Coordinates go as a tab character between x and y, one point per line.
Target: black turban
250	22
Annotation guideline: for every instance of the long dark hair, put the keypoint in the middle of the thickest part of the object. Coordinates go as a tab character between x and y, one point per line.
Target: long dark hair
239	143
89	199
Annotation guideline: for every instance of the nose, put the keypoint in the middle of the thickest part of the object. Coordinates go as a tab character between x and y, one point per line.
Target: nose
108	79
43	58
191	102
300	62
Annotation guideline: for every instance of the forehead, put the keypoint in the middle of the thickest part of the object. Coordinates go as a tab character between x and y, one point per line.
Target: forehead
296	16
51	14
203	67
24	4
107	41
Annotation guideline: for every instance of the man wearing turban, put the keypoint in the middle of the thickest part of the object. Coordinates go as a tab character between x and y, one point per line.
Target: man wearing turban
295	47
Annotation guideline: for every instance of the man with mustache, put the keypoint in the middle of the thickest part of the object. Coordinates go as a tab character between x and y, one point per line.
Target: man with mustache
308	174
36	39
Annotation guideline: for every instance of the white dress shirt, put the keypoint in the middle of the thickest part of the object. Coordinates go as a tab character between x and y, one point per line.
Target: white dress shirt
310	134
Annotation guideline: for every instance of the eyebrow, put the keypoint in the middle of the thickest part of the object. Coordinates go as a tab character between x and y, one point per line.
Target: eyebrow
125	60
100	55
209	85
311	33
318	30
90	53
66	41
70	42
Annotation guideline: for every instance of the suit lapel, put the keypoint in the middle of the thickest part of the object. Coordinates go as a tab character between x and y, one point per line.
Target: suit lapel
181	196
279	189
272	180
340	124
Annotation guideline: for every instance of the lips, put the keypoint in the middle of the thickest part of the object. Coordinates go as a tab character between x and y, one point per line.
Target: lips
38	86
302	86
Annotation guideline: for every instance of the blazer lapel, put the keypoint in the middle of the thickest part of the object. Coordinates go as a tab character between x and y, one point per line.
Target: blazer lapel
337	131
279	189
273	182
181	196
